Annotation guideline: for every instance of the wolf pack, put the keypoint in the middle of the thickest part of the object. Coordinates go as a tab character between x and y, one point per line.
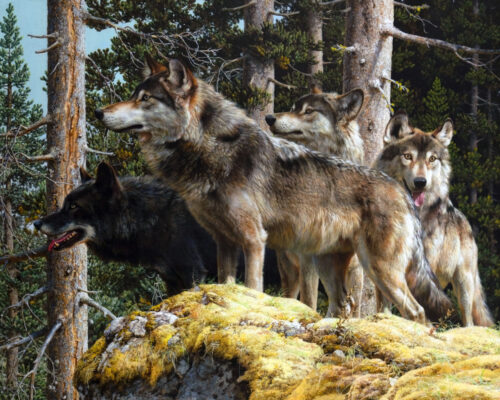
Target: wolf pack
222	186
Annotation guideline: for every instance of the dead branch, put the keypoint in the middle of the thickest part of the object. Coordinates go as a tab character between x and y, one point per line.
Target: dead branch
41	158
251	3
31	296
21	131
330	3
278	83
408	7
53	35
104	153
278	14
396	33
48	339
57	43
24	340
84	299
41	251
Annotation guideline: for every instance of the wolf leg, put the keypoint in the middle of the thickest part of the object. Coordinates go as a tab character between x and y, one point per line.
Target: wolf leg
383	305
332	270
355	285
309	280
254	264
227	260
289	269
463	286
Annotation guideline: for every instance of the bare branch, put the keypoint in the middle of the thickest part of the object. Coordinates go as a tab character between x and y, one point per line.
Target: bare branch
57	43
104	153
289	87
251	3
21	131
396	33
24	340
53	35
48	339
330	3
31	296
41	251
41	158
278	14
407	6
84	299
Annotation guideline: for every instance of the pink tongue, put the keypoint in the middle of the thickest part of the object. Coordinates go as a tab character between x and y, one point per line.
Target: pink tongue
59	240
418	198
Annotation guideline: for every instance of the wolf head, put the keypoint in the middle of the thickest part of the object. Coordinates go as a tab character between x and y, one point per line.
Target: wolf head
418	160
158	107
320	121
79	218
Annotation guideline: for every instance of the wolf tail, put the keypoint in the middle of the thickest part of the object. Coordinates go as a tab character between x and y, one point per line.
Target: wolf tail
425	287
480	312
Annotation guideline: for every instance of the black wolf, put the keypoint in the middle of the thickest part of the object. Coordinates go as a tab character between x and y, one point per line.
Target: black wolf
249	189
134	220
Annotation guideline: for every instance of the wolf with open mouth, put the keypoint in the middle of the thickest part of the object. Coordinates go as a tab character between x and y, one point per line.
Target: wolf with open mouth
420	162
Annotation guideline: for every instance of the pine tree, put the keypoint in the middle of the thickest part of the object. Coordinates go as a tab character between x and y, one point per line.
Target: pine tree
15	110
436	107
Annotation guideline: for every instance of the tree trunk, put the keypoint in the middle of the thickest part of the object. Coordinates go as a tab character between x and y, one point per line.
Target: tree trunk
66	138
314	26
474	109
365	68
12	354
257	71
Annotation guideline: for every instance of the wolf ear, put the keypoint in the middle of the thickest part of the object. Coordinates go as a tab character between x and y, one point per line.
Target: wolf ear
316	89
84	175
106	180
181	79
397	128
348	105
444	133
151	67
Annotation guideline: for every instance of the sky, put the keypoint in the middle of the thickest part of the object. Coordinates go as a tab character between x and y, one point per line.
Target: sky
32	19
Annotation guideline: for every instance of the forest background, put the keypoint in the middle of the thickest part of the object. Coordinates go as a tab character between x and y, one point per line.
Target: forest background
431	84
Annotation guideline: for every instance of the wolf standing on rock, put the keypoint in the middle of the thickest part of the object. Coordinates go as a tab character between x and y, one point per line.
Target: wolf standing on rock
249	189
420	162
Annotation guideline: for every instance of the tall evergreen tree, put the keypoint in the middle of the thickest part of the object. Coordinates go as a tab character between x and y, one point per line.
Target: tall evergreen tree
15	110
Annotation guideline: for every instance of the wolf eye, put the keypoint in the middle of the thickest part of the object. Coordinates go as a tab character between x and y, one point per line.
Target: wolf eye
309	111
432	158
145	97
73	206
407	156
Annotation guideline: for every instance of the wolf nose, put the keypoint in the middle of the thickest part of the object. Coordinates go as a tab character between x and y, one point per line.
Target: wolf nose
99	114
270	119
419	183
37	224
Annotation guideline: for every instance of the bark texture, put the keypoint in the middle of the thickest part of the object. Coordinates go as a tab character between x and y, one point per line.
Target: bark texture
365	68
256	70
314	26
66	140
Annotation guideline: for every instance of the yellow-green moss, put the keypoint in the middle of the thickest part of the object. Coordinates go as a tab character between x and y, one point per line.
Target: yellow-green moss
87	365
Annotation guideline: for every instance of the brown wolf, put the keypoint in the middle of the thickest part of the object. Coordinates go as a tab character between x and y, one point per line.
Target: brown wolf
420	162
316	123
248	188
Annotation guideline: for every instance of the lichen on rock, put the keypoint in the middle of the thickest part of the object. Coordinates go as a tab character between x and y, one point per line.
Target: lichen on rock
230	342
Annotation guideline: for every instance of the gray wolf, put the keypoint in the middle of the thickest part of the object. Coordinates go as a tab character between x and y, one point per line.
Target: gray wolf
134	220
240	184
420	162
315	122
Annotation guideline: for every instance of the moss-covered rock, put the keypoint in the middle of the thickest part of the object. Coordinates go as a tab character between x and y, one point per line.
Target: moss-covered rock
230	342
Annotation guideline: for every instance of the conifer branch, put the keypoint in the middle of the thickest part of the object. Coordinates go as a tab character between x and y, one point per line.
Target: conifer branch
278	83
85	299
396	33
21	131
48	339
41	251
251	3
57	43
24	340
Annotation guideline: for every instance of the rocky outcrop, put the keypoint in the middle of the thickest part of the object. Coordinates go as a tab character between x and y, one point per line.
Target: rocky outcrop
230	342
